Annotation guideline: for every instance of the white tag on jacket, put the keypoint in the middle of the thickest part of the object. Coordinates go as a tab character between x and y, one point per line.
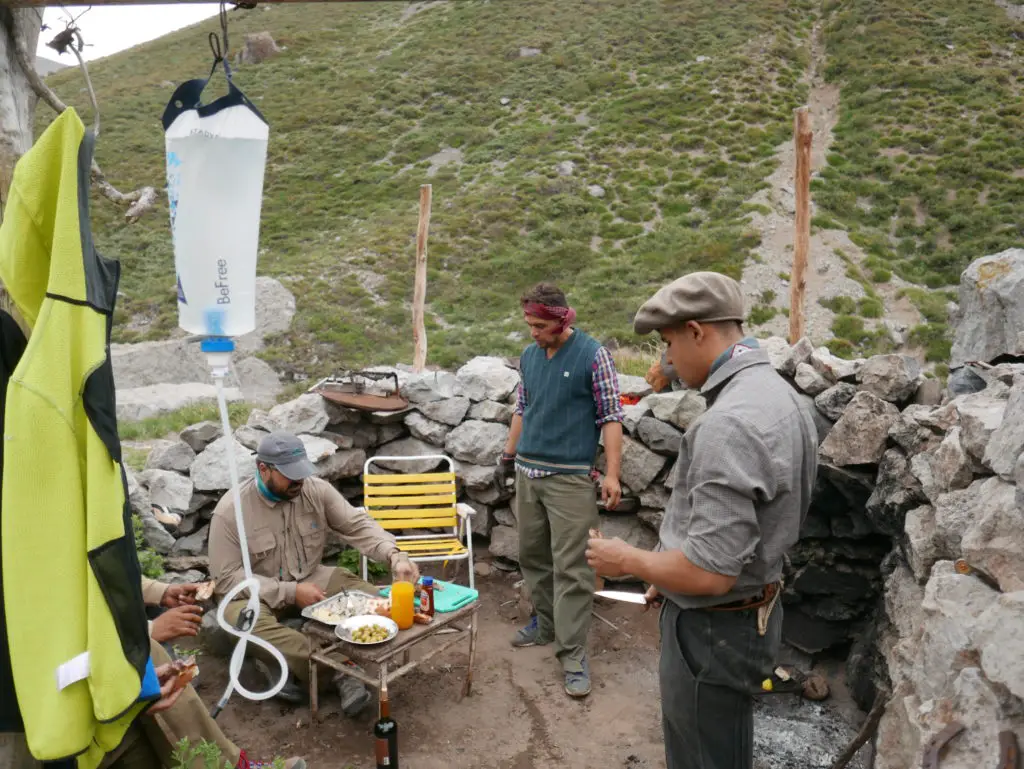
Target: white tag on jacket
72	671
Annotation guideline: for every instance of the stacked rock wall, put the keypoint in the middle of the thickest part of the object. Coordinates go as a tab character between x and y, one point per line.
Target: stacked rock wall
912	476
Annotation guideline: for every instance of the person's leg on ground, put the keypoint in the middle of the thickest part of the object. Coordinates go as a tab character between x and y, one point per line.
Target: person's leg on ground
134	752
339	578
712	662
354	694
535	561
571	504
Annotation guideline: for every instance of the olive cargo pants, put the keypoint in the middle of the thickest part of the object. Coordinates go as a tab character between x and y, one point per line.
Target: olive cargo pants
555	515
294	645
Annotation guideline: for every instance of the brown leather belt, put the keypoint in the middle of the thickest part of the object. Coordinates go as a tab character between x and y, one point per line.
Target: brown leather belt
754	602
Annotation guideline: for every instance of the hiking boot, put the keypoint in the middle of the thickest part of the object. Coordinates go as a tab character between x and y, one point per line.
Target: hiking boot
291	693
577	682
353	692
531	635
290	763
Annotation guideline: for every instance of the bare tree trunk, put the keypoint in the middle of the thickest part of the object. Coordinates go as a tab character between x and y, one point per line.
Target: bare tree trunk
17	99
17	102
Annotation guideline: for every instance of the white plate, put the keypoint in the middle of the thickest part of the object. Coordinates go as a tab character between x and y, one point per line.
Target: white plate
344	629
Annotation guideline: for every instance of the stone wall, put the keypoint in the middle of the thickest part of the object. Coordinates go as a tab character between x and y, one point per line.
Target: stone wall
911	476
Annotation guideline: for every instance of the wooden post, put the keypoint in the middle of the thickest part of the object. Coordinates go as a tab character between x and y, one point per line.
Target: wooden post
802	232
419	297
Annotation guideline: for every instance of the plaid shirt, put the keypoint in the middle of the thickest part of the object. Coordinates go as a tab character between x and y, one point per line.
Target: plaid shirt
606	398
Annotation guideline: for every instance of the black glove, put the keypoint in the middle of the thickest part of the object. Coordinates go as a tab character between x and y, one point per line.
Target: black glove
506	469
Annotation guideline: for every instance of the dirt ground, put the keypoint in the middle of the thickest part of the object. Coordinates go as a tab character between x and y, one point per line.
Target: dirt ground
518	716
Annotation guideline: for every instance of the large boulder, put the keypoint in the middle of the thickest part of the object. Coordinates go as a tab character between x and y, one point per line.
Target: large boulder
430	386
895	493
201	435
170	455
679	408
659	436
1007	441
992	541
450	411
492	411
426	429
832	367
476	441
989	320
892	378
170	489
211	471
504	543
258	47
833	401
306	414
408	447
980	416
487	378
345	463
639	465
859	437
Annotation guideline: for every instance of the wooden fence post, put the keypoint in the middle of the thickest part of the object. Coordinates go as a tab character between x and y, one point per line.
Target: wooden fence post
802	137
419	297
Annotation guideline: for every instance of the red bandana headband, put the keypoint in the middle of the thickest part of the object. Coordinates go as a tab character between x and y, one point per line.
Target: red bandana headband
547	312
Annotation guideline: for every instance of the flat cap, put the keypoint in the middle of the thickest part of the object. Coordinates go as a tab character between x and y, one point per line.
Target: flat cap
704	297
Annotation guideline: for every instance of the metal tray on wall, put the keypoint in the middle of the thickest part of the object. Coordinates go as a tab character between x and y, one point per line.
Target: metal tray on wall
350	389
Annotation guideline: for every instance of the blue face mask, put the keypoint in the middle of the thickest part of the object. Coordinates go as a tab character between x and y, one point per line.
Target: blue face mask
267	493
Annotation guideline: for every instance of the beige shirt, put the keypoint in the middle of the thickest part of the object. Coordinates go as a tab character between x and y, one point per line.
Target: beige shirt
286	539
153	591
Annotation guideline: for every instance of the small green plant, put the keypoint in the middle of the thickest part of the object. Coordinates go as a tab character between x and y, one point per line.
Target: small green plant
150	561
841	305
871	308
881	275
176	421
349	559
761	314
208	756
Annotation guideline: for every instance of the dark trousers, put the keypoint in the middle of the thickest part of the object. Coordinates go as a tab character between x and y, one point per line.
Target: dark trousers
712	663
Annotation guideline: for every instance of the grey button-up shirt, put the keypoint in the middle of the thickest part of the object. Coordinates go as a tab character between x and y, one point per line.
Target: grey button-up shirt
743	481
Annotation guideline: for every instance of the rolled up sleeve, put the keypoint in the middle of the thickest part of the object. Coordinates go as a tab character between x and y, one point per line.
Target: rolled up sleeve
357	528
730	471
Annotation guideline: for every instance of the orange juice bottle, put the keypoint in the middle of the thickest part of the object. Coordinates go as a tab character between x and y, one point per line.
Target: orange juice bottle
402	594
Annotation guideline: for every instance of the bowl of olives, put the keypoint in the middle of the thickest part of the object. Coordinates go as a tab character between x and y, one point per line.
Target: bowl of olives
367	630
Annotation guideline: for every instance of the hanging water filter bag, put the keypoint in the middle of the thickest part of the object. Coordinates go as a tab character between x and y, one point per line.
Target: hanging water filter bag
216	155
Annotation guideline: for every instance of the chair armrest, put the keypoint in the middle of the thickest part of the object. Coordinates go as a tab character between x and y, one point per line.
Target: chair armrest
465	510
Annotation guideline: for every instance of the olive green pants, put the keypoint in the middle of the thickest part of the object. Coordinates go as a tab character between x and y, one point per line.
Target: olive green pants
555	515
293	644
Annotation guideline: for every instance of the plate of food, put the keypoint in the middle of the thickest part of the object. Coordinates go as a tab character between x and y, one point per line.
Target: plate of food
338	608
367	630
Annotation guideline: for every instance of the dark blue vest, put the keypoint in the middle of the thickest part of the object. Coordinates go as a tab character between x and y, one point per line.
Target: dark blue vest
560	431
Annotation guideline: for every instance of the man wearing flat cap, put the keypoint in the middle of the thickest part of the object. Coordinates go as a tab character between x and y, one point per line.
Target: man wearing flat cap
741	489
287	511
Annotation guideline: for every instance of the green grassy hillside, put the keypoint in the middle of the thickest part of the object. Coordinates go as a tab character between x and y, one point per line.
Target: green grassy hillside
607	145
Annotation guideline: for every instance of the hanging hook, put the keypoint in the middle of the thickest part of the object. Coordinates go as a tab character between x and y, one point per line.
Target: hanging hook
61	43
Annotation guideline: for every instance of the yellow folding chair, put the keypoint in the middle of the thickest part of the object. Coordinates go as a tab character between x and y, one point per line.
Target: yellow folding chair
411	501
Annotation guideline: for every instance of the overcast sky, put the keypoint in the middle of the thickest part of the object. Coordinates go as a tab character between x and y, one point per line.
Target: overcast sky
108	30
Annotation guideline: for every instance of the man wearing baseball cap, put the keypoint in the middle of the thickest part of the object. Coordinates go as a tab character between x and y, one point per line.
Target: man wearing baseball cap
287	511
742	486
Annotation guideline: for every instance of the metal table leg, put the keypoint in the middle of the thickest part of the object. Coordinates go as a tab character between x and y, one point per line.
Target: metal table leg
314	693
468	686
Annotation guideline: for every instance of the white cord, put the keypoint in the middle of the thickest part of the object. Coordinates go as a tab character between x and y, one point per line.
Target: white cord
250	583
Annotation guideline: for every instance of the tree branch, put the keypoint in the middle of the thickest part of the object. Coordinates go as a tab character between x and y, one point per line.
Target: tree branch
142	199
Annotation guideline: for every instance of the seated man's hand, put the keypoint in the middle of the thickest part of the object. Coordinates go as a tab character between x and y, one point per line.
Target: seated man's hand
171	686
179	595
403	570
177	622
307	594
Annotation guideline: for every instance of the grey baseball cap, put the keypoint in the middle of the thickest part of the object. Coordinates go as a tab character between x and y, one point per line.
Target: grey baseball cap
287	453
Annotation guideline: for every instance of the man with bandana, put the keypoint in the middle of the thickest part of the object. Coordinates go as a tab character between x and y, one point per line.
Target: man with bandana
741	489
568	403
287	511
